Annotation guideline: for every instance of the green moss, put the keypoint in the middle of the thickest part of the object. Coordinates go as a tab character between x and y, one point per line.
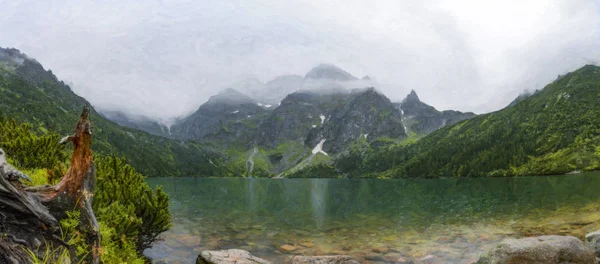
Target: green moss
38	176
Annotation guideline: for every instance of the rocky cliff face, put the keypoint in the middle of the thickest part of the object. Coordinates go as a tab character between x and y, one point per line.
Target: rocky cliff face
364	114
421	118
296	116
228	116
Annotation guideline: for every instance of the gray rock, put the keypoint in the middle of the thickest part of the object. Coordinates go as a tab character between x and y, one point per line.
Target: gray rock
593	242
366	113
229	256
543	249
422	118
341	259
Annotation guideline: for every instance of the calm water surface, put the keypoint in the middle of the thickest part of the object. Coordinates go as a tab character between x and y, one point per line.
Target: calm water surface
453	220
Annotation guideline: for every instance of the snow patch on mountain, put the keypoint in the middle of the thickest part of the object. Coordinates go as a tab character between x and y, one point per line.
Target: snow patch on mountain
319	148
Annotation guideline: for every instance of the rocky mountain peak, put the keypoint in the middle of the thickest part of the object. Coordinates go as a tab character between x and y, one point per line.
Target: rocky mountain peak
12	56
329	71
412	97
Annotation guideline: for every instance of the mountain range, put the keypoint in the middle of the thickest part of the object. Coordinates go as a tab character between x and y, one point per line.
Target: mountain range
285	131
326	123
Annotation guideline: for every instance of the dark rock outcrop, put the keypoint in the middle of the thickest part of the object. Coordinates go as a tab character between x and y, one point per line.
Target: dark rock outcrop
543	249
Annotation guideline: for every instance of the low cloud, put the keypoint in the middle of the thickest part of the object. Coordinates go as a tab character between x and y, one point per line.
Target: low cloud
165	58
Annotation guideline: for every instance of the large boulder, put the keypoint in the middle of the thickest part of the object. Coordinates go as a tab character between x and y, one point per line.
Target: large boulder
229	256
593	242
342	259
543	249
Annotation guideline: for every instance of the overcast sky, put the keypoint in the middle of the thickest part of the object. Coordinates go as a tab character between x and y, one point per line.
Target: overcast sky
164	58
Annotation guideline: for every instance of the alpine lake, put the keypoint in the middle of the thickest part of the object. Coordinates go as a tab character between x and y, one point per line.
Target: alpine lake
375	220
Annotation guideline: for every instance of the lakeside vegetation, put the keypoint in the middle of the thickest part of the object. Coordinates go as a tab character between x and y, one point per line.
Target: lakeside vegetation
131	215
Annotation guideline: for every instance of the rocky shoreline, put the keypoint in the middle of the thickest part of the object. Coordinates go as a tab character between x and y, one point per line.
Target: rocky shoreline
542	249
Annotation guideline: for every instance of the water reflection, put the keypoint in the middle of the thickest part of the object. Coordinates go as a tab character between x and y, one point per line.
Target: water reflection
318	200
457	217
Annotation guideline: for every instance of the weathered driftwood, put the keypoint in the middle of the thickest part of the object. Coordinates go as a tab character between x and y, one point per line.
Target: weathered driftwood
41	206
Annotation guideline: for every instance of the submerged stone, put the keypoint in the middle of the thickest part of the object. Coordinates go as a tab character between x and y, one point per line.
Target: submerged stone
287	248
380	249
307	244
229	256
593	242
324	260
543	249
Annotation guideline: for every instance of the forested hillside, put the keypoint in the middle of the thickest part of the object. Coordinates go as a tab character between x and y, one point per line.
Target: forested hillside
554	131
28	93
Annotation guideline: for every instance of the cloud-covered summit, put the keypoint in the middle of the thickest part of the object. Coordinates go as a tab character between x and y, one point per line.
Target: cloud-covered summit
165	58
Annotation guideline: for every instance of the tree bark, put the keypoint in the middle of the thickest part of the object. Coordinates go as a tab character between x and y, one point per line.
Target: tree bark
46	204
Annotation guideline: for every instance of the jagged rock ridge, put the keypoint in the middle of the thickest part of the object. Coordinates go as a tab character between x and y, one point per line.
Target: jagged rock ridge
421	118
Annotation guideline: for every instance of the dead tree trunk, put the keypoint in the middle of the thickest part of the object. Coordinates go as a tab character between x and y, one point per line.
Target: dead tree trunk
49	203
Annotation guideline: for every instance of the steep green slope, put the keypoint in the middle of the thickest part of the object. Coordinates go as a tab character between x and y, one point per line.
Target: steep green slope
554	131
28	93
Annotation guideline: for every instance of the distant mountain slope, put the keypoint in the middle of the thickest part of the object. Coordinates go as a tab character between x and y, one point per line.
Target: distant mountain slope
329	72
275	90
278	139
137	122
520	98
229	117
423	119
554	131
29	93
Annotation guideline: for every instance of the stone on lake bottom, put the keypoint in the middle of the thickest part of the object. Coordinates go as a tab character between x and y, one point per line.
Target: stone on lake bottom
381	249
324	260
543	249
593	242
287	248
307	244
229	256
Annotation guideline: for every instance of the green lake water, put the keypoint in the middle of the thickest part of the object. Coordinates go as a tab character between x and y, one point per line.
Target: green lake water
453	220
